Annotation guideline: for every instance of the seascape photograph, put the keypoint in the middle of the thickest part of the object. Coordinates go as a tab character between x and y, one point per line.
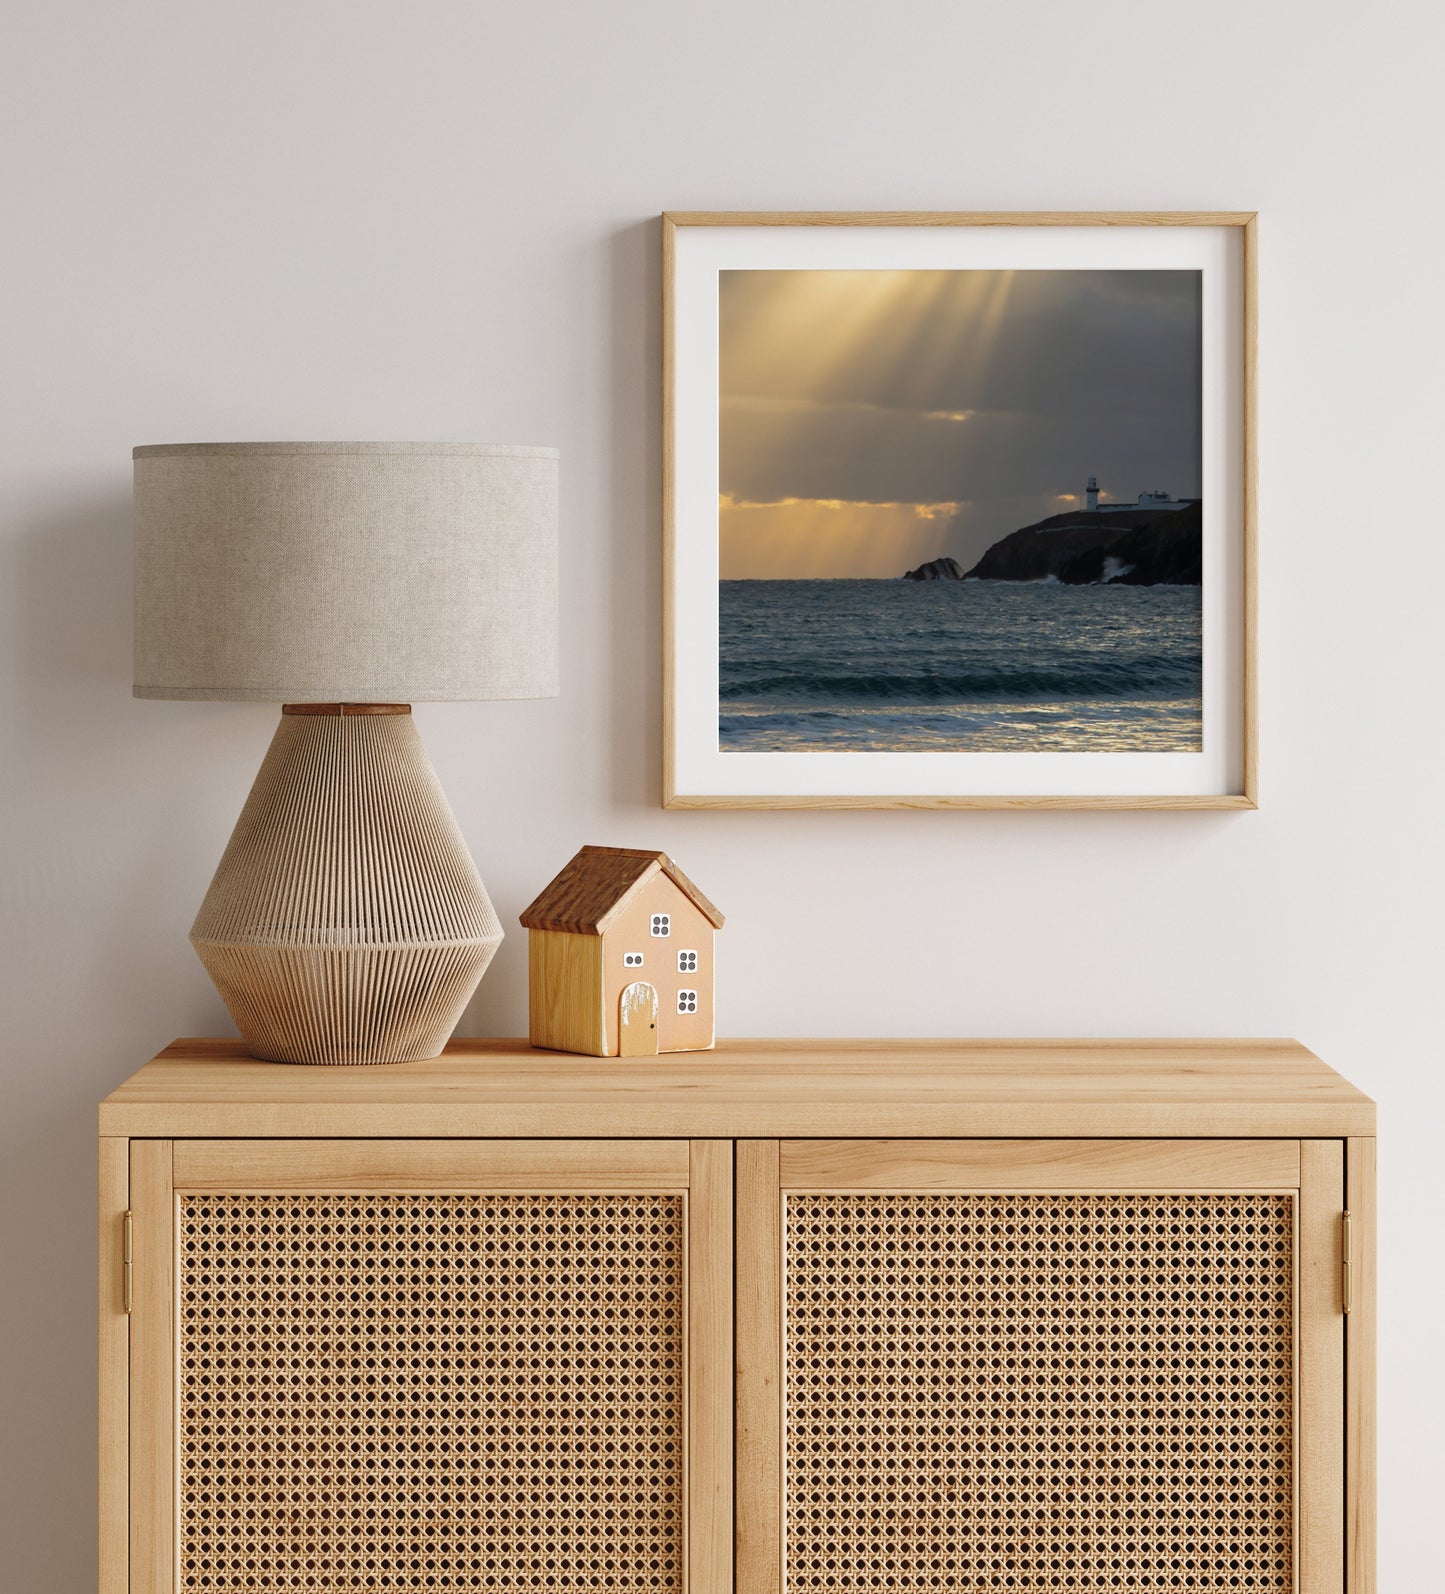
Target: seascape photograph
960	511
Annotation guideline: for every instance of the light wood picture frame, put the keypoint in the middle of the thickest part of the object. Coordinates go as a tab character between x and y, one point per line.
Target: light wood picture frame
848	396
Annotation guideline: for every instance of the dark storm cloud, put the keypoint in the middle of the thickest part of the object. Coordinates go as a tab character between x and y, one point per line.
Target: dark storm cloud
997	390
903	456
1038	341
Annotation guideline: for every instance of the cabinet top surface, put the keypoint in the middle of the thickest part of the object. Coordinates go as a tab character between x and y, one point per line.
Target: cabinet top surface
757	1088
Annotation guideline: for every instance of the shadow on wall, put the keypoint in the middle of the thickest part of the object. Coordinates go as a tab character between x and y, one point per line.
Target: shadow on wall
70	580
106	843
634	514
611	583
73	744
73	641
113	819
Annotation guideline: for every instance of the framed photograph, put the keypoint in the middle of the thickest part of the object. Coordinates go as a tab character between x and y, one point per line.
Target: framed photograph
959	510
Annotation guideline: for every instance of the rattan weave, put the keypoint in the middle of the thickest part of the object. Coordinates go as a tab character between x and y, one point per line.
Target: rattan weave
391	1392
1039	1393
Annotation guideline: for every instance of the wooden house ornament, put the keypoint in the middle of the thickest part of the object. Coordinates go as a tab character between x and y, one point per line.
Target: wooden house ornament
620	957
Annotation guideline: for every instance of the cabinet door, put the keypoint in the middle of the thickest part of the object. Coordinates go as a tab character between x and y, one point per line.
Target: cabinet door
1039	1366
409	1365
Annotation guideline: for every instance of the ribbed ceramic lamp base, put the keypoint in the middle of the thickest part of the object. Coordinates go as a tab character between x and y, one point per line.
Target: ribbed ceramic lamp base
346	922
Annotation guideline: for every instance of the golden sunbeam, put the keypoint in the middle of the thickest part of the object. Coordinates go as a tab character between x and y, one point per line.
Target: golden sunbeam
766	404
818	538
828	365
838	335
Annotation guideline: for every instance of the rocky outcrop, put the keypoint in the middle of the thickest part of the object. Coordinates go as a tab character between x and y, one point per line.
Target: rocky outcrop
1034	553
936	570
1167	552
1123	548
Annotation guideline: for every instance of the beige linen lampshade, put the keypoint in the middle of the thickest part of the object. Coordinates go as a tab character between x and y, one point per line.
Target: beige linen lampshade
346	922
345	572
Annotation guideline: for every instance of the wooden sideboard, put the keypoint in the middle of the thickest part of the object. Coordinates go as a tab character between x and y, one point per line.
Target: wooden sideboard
823	1317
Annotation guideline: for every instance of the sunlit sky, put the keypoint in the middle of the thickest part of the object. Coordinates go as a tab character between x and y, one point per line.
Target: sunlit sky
870	420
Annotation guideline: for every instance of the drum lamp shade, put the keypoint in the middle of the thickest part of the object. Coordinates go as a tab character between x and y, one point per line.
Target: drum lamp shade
345	572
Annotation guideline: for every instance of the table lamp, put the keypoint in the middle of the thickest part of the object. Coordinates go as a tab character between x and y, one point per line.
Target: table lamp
346	922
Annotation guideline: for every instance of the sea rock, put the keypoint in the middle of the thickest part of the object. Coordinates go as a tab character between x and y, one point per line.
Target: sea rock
944	569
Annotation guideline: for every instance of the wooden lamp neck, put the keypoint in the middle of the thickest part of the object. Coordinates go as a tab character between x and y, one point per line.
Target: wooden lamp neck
335	709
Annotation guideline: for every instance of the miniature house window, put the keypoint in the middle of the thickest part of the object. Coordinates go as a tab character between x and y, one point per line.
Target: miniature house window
662	924
632	960
687	1001
687	962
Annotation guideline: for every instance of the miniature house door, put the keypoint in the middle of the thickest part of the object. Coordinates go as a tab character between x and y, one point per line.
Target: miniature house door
369	1364
1039	1365
637	1020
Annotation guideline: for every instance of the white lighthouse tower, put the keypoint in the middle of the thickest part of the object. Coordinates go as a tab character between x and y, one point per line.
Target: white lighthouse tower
1091	495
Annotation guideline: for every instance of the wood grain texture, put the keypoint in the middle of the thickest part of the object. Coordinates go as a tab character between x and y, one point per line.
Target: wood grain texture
1057	1165
734	1302
331	710
1360	1372
114	1371
759	1351
1320	1339
669	510
152	1372
1246	221
1268	1089
1250	486
709	1368
1240	800
589	889
957	218
598	883
565	1009
414	1165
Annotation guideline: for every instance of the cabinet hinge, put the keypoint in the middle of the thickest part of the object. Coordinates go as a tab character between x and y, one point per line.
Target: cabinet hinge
127	1269
1347	1272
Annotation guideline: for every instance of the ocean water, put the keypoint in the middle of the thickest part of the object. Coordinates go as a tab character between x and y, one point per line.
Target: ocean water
958	666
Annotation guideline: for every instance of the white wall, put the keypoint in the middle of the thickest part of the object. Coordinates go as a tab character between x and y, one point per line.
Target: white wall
310	218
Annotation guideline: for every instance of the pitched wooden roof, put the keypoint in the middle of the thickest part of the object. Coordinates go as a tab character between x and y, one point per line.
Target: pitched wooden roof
598	883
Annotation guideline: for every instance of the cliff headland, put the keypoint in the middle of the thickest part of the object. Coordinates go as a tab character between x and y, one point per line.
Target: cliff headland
1123	548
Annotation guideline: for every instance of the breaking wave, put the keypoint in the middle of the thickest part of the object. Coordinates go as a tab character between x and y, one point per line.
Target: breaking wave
1150	675
839	664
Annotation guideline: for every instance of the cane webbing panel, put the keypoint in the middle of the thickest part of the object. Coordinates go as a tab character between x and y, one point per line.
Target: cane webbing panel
390	1392
1039	1393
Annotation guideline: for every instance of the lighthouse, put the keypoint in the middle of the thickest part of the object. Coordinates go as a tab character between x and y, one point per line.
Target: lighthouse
1091	495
